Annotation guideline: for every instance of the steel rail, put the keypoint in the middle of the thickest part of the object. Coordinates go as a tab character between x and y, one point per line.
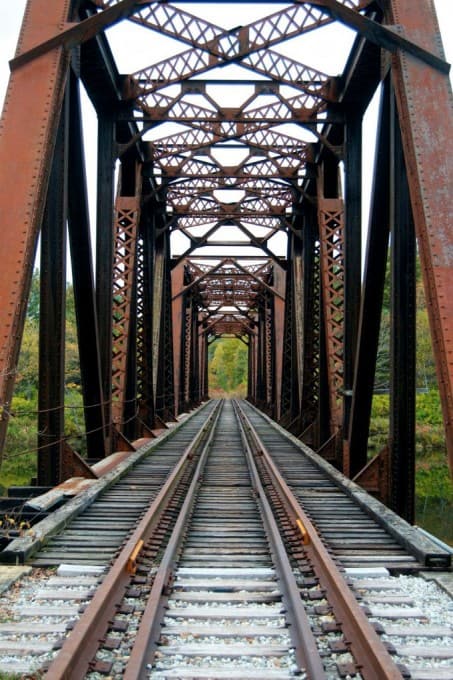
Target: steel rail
306	649
370	654
72	661
143	651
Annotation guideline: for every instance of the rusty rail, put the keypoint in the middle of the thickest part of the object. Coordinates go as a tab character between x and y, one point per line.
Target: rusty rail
142	654
72	662
370	654
306	649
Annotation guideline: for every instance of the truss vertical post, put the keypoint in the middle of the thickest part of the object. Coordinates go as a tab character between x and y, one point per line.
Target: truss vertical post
402	340
26	160
204	366
270	351
52	316
331	232
373	290
195	362
310	394
165	391
177	284
252	377
127	209
83	283
292	339
279	283
106	155
187	352
352	256
424	94
145	268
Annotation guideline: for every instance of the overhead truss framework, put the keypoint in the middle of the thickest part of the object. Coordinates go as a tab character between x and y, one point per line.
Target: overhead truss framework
228	203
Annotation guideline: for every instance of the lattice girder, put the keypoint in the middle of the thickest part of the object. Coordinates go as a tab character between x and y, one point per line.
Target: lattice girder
331	234
127	211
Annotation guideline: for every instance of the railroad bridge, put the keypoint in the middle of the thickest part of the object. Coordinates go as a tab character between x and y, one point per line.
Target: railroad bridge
226	200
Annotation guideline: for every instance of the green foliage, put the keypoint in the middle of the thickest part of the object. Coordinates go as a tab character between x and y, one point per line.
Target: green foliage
19	462
425	368
433	479
228	362
20	456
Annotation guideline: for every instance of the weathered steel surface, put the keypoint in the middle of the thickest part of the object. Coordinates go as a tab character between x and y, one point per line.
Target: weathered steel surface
229	176
33	104
424	101
126	234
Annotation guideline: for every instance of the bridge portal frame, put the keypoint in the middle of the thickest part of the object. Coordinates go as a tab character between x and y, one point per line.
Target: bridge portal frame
62	43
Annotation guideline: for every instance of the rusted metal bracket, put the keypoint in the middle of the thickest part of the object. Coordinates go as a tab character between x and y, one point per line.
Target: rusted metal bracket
76	33
73	465
120	442
379	35
374	477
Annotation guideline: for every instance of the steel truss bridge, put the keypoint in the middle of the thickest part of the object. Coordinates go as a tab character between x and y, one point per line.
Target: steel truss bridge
228	202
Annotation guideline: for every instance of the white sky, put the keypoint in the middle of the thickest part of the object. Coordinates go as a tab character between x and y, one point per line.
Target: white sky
11	12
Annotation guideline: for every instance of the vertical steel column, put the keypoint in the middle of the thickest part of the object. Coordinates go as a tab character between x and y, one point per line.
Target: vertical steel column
106	155
269	354
252	377
402	340
32	105
310	394
52	315
195	363
424	97
331	231
165	390
127	209
278	304
373	290
83	283
292	340
203	360
145	264
352	254
131	403
177	284
187	354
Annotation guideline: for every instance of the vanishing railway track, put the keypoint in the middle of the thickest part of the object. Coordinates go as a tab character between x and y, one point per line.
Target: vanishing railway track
226	575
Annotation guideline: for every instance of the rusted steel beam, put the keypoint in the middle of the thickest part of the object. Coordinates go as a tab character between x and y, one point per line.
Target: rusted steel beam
145	269
311	338
402	336
423	97
83	283
352	253
104	258
290	346
279	284
178	289
331	234
127	209
381	35
33	104
70	34
52	315
372	296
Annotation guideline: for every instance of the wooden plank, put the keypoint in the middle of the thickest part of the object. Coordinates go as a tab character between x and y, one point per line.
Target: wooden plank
229	651
225	612
226	597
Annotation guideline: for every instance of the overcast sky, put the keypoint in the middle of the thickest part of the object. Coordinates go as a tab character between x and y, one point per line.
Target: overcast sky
11	17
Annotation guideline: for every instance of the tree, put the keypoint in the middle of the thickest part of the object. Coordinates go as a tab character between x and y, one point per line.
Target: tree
228	358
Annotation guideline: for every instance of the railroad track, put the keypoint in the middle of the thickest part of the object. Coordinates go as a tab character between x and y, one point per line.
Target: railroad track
224	587
358	530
